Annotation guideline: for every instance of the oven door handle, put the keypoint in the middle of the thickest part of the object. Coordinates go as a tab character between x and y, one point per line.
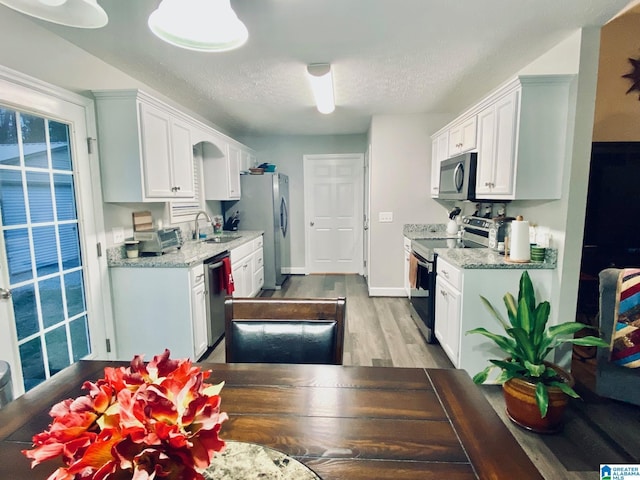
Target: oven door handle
423	263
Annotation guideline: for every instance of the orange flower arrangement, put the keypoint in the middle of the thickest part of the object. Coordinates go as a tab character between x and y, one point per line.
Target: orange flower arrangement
154	421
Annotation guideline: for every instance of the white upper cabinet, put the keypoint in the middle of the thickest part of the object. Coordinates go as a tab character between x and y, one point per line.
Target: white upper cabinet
221	169
462	136
522	137
145	148
439	152
520	134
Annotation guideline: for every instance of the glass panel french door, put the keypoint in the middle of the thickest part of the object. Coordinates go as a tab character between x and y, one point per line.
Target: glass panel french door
40	229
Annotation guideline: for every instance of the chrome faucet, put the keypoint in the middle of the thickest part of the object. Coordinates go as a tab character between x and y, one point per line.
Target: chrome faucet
206	215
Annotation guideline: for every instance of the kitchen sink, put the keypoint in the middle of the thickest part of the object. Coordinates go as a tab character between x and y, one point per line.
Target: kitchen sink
222	239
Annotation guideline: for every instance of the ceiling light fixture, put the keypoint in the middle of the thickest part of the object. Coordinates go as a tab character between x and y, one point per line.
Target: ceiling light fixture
71	13
201	25
322	86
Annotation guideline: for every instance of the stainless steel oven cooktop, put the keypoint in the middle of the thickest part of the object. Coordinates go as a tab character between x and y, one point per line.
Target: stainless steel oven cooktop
424	246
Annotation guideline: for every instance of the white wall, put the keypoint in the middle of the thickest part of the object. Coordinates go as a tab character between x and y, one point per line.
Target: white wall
286	152
400	163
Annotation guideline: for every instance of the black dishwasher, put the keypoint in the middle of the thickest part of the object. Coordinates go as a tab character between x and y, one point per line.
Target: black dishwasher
216	292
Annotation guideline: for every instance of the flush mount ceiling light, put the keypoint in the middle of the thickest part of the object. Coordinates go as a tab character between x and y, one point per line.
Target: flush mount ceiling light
322	86
201	25
71	13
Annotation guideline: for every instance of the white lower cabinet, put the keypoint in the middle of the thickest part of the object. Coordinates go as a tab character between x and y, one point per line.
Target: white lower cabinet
199	311
447	322
407	264
247	268
459	309
158	308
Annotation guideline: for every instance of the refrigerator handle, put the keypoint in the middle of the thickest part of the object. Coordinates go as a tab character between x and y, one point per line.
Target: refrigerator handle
284	216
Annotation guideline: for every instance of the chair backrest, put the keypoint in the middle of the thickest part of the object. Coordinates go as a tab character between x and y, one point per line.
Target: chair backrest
613	381
284	330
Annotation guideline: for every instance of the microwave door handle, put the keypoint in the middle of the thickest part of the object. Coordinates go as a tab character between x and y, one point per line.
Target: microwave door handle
458	177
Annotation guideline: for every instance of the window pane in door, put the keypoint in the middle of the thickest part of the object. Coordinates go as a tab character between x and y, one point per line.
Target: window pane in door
25	310
57	349
39	192
34	141
59	139
12	197
51	301
79	337
9	153
69	245
17	244
65	200
44	244
32	363
74	289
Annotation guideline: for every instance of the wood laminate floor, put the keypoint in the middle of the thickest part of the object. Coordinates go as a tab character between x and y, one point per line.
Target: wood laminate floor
381	332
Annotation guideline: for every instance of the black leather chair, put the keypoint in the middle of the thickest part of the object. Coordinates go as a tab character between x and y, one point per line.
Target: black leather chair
284	330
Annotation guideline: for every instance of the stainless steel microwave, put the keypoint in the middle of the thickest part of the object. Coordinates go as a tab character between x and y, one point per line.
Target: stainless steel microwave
458	177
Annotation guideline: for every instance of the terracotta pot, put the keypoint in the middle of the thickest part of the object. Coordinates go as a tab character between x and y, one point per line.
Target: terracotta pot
520	398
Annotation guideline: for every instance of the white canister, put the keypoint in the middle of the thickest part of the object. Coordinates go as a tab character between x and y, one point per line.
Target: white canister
452	227
519	250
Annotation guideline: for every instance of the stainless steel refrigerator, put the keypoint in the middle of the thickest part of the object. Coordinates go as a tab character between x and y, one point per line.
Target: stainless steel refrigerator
264	205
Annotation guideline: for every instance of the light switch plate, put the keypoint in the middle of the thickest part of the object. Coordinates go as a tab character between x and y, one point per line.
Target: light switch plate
385	217
118	235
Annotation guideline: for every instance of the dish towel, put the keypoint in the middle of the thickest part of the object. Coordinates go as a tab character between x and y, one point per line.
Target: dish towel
413	271
227	277
625	339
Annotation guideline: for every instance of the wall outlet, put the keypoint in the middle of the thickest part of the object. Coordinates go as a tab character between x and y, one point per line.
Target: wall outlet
118	235
385	217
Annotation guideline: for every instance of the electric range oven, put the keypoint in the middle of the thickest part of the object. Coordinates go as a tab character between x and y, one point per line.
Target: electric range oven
422	293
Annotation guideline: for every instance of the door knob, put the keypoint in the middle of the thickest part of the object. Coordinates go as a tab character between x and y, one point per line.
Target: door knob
5	294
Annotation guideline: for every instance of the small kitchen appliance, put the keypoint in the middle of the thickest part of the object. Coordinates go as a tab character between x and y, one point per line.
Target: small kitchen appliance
489	232
160	240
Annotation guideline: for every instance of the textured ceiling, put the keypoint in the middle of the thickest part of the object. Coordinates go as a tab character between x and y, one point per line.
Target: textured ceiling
388	56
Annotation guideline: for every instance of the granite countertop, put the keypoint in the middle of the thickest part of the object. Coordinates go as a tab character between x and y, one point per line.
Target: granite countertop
488	259
427	230
191	253
472	257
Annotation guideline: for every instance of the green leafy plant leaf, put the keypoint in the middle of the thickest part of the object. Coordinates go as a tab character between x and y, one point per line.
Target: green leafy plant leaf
542	398
506	344
565	388
512	310
494	312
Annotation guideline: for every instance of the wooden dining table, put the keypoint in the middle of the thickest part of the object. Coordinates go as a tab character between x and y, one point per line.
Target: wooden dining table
359	423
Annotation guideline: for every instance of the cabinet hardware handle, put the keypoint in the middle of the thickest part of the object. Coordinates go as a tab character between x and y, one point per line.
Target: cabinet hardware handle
445	273
487	184
5	294
443	293
312	223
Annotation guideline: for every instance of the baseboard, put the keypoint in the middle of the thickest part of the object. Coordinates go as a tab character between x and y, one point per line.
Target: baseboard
294	270
387	292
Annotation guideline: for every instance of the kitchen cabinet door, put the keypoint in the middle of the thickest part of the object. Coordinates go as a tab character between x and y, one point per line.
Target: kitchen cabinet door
221	173
407	264
439	152
199	319
462	136
233	171
496	148
447	321
182	160
155	131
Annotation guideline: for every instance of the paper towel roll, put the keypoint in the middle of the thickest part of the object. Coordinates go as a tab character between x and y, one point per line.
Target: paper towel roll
519	242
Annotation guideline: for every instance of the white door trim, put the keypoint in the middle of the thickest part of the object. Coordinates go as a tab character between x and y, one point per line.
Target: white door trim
27	94
359	157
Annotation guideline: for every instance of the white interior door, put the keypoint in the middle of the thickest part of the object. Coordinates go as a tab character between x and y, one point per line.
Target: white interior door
53	306
333	190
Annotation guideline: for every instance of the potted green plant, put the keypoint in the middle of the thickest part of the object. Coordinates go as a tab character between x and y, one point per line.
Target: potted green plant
536	391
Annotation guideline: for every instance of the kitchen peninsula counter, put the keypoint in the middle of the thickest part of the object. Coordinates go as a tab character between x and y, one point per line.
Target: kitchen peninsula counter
468	258
191	253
